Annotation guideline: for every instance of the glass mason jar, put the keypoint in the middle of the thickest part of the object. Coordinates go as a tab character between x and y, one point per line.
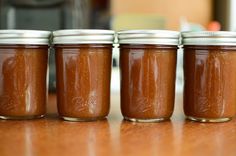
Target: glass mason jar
148	69
23	73
209	76
83	67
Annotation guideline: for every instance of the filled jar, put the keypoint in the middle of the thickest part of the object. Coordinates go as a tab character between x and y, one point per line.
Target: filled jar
209	75
148	69
83	73
23	73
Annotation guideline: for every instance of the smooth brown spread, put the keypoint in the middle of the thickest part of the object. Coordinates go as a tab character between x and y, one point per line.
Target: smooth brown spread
210	81
147	80
23	76
83	80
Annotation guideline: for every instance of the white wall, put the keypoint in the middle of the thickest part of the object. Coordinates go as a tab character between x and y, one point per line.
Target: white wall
232	15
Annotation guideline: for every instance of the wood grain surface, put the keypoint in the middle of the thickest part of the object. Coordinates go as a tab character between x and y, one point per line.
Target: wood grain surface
113	136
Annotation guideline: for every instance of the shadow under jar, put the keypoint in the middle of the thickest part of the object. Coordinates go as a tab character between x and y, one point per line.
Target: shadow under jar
83	67
148	68
23	73
209	76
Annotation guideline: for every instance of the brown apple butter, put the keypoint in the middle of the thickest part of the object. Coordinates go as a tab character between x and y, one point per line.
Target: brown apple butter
209	77
147	74
23	74
83	76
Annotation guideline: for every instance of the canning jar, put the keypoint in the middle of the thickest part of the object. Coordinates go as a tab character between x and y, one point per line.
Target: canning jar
23	73
83	73
148	68
209	75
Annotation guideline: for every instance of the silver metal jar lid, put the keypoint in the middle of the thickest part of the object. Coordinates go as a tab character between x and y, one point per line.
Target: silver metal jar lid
209	38
83	36
162	37
34	37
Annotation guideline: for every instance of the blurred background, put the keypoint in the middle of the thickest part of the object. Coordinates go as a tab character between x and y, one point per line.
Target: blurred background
180	15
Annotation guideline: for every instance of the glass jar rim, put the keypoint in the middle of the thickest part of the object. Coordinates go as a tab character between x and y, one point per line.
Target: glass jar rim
163	37
14	36
83	36
208	38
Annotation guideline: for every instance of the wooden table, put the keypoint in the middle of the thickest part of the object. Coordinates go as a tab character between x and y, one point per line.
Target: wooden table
52	136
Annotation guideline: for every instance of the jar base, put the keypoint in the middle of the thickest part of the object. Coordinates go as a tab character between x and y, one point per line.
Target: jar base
146	120
208	119
21	117
81	119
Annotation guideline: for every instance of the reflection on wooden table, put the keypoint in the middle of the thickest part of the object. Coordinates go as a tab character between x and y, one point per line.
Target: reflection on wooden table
52	136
